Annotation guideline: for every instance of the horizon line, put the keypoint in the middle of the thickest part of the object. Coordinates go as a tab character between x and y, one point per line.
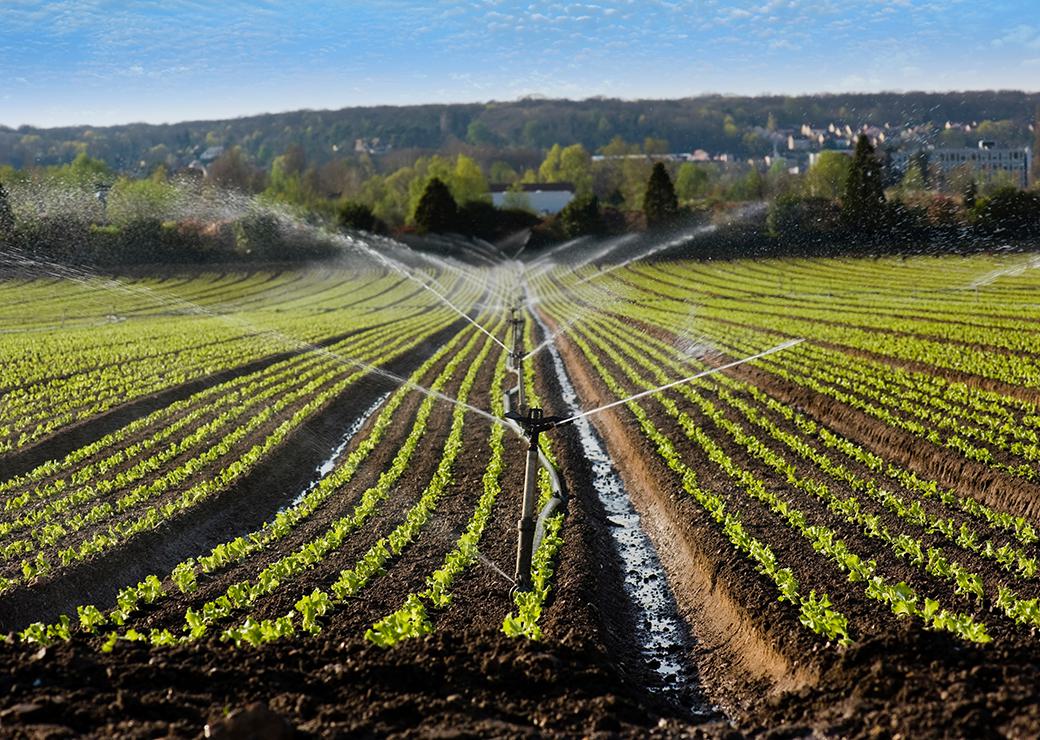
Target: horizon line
537	97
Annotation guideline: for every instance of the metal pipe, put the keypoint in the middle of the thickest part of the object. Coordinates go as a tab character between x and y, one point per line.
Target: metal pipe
533	424
525	527
548	510
518	356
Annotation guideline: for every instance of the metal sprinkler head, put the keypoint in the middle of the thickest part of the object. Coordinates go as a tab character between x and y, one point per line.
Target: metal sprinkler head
535	422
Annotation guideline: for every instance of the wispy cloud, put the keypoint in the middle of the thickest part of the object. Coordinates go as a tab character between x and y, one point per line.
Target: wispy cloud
169	59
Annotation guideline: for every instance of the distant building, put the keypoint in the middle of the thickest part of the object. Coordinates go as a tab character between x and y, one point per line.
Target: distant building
374	145
985	159
800	145
542	197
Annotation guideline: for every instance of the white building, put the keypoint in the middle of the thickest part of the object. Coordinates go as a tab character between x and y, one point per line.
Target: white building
985	159
540	197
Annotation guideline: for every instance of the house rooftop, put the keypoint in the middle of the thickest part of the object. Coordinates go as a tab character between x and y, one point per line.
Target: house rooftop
534	187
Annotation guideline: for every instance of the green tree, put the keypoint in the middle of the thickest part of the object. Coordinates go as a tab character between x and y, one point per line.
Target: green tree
863	206
467	181
576	168
916	177
463	177
828	175
84	172
479	133
135	200
692	181
436	211
354	215
549	169
635	172
618	147
1010	213
659	204
286	182
503	172
653	145
753	185
729	127
581	217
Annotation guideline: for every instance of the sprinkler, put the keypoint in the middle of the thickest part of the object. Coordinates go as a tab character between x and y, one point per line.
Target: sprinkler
517	354
101	190
532	424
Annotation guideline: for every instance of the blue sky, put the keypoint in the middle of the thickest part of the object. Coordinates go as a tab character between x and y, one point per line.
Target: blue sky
101	62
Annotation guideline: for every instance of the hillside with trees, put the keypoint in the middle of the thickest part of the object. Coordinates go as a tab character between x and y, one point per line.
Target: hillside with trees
515	132
839	201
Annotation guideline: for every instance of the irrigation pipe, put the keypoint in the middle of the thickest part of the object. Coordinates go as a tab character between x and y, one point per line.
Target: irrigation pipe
559	496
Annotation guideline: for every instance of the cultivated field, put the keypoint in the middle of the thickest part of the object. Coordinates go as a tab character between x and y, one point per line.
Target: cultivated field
231	487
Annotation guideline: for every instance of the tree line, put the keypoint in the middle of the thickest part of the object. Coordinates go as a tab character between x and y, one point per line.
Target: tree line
841	204
511	130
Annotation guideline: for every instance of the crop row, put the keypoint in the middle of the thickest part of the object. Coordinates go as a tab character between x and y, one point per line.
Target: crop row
33	409
637	347
220	454
186	576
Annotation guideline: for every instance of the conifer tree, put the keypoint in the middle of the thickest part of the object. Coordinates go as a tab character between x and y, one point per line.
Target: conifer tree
581	217
354	215
660	204
436	211
863	206
1036	150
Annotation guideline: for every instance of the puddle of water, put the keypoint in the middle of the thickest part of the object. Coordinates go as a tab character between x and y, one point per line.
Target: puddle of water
329	464
660	632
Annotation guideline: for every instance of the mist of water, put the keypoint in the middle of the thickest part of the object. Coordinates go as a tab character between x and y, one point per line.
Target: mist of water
1011	271
635	396
94	280
653	250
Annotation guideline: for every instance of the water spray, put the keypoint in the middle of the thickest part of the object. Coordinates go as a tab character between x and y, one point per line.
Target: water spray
711	371
533	423
401	269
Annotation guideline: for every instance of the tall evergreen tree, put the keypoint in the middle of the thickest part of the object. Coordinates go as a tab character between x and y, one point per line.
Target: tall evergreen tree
1035	176
581	217
354	215
863	206
6	217
436	211
659	204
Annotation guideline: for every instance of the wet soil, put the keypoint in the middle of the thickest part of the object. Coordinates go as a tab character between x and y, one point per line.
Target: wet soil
69	438
242	508
586	678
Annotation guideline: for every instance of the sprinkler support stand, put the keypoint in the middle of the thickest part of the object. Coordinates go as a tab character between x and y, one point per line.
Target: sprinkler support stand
533	424
518	356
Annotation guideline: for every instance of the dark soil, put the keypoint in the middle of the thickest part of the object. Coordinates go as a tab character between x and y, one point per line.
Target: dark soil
67	439
242	508
475	684
773	677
